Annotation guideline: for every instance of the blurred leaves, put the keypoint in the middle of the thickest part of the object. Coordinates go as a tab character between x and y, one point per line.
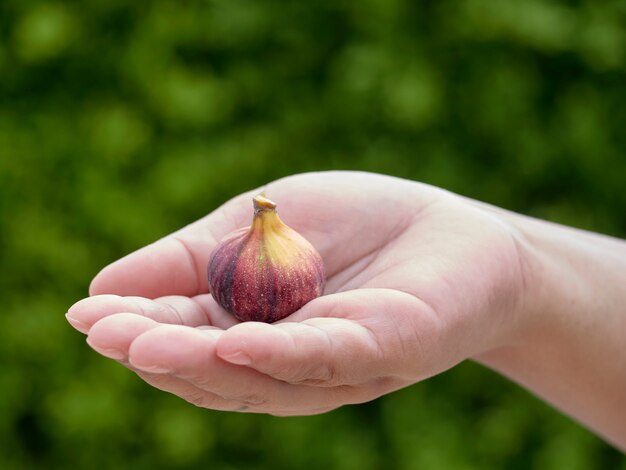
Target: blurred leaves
44	32
122	121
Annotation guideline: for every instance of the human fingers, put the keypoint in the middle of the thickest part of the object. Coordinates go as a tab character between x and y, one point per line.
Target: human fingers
112	337
189	354
350	338
203	399
179	310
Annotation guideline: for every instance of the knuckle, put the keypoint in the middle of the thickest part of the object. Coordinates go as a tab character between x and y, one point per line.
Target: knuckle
320	374
199	399
250	398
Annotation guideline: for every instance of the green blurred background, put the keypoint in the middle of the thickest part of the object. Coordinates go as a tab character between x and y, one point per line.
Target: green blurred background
121	121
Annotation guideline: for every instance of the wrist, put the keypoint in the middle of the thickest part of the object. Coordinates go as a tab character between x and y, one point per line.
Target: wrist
573	280
568	346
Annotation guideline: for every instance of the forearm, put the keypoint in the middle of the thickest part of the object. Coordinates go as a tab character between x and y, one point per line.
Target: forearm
571	350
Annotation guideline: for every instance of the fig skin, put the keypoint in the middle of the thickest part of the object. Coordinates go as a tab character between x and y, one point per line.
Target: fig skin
267	271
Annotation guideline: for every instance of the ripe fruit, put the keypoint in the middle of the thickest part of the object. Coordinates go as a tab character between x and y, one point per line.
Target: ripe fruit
266	271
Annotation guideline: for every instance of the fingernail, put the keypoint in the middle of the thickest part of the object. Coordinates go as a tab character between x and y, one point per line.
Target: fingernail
238	358
111	353
79	325
152	369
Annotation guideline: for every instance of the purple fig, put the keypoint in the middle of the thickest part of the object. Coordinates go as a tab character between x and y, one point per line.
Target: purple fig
267	271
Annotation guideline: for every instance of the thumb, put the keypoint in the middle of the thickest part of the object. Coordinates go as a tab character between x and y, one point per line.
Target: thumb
346	338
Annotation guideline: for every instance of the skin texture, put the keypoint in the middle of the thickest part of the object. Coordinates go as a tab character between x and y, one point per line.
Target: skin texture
418	280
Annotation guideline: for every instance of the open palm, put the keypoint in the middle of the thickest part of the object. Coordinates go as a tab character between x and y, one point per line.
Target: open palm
419	279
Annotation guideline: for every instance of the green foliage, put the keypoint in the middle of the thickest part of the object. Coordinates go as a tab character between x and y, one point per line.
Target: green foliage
121	121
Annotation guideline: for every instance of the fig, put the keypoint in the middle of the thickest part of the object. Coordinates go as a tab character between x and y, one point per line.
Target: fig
267	271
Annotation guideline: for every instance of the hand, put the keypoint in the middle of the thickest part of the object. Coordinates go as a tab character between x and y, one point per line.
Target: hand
419	279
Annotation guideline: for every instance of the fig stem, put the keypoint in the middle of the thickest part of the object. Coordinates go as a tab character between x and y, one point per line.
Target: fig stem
261	203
